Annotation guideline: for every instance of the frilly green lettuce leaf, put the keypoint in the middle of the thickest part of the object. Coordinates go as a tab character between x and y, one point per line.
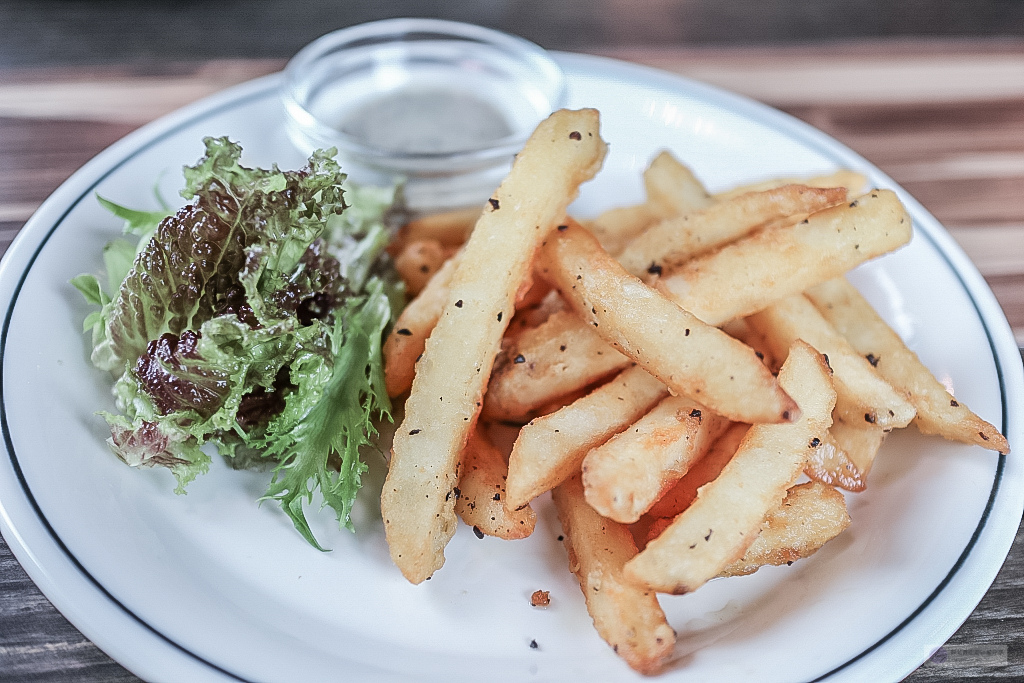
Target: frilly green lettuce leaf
251	319
332	412
189	270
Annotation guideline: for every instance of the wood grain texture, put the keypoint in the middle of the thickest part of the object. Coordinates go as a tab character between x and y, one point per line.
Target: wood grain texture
956	143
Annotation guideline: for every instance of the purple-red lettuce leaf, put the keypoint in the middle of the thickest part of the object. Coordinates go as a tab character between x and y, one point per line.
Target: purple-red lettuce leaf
151	444
189	271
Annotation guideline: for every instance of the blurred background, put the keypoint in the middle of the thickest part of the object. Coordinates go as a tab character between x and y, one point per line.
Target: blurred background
932	91
35	32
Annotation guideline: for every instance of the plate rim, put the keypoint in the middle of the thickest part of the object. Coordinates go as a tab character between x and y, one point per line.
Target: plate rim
29	244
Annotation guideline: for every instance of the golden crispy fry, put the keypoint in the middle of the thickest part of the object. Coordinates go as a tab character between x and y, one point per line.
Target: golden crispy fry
746	276
542	364
409	335
550	449
670	243
628	618
691	358
937	411
724	520
861	392
811	515
418	261
830	464
481	492
623	477
417	502
854	182
740	329
450	229
531	314
859	441
672	189
616	227
707	469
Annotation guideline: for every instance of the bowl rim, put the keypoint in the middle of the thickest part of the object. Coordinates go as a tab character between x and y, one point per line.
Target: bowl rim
389	32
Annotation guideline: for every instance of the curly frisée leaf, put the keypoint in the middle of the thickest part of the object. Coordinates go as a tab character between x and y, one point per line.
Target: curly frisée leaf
338	422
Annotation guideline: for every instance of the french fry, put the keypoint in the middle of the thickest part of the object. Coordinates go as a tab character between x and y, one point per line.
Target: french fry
724	520
854	183
691	358
670	243
542	364
481	492
623	477
616	227
408	337
550	449
937	411
739	328
830	464
628	618
531	314
672	188
705	470
417	504
418	261
746	276
450	229
861	392
811	515
859	441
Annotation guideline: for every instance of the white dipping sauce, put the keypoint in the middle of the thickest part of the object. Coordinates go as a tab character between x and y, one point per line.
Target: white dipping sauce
425	121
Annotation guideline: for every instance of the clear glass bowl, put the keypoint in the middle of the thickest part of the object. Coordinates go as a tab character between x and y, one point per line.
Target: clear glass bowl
440	105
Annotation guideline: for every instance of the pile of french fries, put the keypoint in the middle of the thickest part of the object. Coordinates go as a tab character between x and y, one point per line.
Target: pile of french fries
677	367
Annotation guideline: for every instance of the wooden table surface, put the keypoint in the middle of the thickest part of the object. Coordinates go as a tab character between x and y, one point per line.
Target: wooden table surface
945	120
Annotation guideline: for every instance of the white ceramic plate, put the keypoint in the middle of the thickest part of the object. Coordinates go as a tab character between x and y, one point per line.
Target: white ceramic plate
210	587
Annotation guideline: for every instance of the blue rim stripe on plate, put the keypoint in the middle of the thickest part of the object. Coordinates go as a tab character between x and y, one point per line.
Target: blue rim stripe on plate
246	98
232	104
1004	418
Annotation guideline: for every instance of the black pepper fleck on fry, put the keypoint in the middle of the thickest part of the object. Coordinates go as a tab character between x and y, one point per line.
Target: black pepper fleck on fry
458	304
519	359
873	359
494	203
954	404
499	316
479	534
414	432
654	269
563	227
815	442
405	332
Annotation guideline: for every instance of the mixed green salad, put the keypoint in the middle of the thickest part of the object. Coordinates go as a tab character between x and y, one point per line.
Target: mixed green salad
250	319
